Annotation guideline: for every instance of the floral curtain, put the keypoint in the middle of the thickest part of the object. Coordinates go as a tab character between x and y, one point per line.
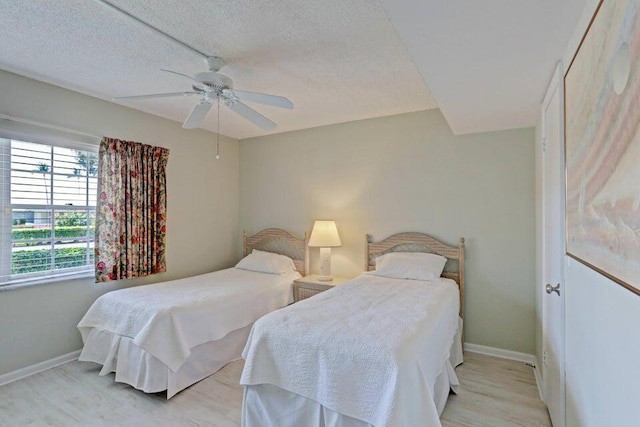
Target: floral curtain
132	210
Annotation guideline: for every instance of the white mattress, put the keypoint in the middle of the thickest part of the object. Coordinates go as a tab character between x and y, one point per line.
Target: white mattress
375	349
162	324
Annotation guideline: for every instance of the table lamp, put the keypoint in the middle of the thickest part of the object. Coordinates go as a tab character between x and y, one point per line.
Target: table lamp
325	236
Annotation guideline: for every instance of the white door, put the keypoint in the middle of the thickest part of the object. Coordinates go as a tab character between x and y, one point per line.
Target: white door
552	286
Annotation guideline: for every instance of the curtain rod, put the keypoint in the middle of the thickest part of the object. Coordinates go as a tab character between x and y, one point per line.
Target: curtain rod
146	24
46	125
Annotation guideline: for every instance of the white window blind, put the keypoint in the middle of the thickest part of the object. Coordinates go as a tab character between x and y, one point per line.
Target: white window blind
48	199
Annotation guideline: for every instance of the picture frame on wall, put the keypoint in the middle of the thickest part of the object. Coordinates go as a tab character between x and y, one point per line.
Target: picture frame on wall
602	143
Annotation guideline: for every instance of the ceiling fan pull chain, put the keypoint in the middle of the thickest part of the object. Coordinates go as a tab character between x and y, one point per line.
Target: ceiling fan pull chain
218	144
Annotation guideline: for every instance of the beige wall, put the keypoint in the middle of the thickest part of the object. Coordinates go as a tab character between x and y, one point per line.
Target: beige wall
39	322
410	173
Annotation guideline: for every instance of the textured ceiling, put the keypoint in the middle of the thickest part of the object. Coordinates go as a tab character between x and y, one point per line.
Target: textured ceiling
487	63
337	60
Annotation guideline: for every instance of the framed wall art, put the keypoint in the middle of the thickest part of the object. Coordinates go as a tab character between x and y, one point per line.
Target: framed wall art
602	143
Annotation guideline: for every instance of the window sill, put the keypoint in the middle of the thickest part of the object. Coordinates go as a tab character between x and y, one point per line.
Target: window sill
47	280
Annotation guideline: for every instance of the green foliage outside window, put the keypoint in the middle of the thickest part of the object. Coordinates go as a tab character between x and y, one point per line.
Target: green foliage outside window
39	260
88	163
71	219
45	233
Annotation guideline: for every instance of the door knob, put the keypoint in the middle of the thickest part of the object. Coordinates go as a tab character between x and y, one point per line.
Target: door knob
550	289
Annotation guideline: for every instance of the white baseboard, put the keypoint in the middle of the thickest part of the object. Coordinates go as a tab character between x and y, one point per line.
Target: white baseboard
498	352
38	367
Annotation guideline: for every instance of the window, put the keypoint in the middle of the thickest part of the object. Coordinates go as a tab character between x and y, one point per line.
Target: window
48	197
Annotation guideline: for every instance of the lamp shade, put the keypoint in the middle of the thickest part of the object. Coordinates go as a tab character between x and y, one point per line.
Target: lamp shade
324	235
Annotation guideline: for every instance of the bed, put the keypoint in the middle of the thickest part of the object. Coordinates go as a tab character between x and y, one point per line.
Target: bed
375	351
170	335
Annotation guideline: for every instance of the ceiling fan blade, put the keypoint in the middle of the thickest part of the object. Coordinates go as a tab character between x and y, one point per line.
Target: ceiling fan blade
261	98
156	95
197	115
180	74
252	115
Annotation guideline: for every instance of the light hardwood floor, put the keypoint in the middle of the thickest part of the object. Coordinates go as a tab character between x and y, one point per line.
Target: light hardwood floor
494	392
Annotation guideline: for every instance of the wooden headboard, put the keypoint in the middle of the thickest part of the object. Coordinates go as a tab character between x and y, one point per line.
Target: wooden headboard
419	242
280	242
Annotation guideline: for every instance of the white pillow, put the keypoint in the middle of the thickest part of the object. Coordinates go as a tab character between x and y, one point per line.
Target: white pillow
266	262
410	265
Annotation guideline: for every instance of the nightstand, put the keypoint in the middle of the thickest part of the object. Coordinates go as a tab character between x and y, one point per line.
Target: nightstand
308	286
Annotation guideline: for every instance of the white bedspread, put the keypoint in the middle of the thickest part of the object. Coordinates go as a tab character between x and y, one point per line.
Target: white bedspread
370	349
168	319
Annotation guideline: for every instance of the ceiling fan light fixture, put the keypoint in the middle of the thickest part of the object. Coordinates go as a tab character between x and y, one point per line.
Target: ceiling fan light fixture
214	63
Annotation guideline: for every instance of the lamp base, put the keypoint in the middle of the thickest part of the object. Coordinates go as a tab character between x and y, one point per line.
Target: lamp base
325	265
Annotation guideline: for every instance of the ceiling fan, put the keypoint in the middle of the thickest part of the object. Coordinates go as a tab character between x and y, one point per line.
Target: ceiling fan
212	86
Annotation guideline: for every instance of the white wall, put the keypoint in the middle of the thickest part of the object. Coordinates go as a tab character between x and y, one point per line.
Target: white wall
602	350
39	322
410	173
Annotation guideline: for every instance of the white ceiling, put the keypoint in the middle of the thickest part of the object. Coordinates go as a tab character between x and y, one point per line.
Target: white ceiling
487	62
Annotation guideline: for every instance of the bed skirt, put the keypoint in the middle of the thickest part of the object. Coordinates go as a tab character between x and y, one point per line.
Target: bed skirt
136	367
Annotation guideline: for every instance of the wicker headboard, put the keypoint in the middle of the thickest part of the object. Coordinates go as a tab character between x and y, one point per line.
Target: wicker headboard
419	242
280	242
